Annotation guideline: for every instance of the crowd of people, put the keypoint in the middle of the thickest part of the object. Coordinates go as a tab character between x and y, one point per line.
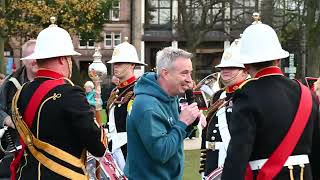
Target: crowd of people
260	126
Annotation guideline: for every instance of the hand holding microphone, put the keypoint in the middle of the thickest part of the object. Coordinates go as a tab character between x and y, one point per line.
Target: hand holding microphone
190	113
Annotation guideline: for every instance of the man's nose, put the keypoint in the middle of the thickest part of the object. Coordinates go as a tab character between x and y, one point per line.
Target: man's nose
189	78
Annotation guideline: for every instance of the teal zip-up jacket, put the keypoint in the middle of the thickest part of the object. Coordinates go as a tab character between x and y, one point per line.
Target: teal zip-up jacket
155	134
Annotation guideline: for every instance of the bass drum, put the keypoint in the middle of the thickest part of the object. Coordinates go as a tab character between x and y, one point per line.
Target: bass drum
215	175
109	170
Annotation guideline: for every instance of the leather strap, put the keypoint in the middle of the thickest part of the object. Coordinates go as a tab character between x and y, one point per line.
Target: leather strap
28	137
15	82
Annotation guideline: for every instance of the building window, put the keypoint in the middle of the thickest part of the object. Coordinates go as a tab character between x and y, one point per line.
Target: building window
114	13
158	12
112	39
86	44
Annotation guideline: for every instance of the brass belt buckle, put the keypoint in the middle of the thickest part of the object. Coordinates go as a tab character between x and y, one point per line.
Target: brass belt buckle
212	146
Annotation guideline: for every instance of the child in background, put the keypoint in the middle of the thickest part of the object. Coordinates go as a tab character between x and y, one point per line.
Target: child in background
90	94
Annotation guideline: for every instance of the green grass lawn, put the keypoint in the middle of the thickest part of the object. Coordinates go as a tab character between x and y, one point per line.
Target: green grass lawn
191	165
103	116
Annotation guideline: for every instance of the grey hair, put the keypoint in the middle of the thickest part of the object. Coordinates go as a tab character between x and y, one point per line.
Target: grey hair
166	57
26	46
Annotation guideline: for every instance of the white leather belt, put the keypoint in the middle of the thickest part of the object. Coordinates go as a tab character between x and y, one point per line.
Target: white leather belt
214	145
291	161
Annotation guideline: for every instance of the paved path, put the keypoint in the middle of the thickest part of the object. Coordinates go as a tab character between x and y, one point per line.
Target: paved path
191	144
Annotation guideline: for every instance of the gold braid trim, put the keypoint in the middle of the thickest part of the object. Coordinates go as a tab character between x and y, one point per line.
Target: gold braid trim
122	98
112	98
215	107
127	97
291	172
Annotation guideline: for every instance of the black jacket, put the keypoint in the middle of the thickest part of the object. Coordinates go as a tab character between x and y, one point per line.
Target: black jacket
212	133
121	97
263	111
65	122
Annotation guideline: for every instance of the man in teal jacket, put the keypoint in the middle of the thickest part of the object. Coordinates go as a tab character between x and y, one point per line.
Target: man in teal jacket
155	127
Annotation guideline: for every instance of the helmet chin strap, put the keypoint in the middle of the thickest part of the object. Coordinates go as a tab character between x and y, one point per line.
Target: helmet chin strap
227	82
69	67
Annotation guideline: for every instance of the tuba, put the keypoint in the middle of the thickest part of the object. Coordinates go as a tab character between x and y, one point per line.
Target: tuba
210	84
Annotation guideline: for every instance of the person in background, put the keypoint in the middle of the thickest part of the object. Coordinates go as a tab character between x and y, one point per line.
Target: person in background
90	94
274	124
11	84
53	118
155	127
2	77
124	59
216	135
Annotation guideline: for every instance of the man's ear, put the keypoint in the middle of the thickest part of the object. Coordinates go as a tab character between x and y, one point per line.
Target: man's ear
164	73
132	66
61	60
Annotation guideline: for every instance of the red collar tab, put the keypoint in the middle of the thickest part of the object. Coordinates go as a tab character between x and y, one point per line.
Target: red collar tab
234	87
268	71
127	82
49	74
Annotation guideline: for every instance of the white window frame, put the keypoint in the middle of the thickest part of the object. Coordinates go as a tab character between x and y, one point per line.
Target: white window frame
113	40
87	46
109	39
111	12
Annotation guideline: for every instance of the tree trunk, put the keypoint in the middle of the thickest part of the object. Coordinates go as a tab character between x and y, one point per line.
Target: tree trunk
313	42
313	61
267	12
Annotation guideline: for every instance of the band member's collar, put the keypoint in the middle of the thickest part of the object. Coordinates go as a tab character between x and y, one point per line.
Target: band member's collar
234	87
49	74
127	82
268	71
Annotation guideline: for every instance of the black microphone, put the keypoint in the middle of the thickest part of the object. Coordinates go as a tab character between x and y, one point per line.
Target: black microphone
190	99
189	96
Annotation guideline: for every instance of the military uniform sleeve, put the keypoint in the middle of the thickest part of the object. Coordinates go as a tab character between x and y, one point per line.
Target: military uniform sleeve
160	143
242	131
82	122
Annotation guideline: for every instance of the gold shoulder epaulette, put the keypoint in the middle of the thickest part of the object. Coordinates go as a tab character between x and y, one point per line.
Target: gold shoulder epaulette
246	81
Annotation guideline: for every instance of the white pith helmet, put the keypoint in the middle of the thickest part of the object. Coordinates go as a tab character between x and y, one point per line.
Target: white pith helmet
260	43
125	53
230	56
51	42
